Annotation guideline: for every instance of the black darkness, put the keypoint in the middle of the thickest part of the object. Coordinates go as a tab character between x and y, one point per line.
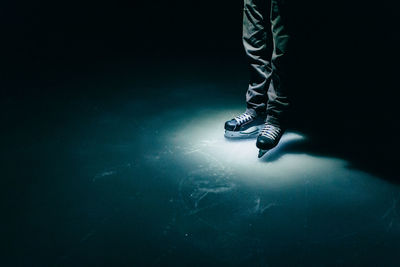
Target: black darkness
344	53
56	54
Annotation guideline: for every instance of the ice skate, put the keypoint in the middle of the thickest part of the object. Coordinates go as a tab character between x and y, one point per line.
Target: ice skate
244	126
269	137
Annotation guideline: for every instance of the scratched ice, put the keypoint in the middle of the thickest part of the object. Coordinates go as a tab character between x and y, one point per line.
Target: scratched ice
227	186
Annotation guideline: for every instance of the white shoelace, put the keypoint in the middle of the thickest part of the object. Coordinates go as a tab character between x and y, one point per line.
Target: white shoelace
270	131
243	118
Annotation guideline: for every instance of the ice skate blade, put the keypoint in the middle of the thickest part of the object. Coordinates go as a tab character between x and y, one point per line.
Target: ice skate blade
261	153
252	132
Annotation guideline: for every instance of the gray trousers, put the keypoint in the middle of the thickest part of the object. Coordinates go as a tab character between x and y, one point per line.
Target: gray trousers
266	41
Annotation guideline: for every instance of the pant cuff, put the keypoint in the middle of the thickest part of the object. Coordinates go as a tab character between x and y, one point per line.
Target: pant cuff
274	121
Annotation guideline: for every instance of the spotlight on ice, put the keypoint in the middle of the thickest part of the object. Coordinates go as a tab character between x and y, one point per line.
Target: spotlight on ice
201	141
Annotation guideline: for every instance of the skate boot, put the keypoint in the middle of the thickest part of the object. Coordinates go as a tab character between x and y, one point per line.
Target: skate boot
244	126
269	137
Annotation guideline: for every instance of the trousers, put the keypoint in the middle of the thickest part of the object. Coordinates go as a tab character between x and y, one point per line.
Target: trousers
266	42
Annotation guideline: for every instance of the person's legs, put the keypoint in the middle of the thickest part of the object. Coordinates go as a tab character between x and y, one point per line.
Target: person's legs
265	40
258	44
278	102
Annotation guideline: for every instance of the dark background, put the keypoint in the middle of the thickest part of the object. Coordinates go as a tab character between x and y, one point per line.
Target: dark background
56	53
343	71
344	55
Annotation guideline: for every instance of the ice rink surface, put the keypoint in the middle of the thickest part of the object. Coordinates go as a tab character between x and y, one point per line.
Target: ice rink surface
146	177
